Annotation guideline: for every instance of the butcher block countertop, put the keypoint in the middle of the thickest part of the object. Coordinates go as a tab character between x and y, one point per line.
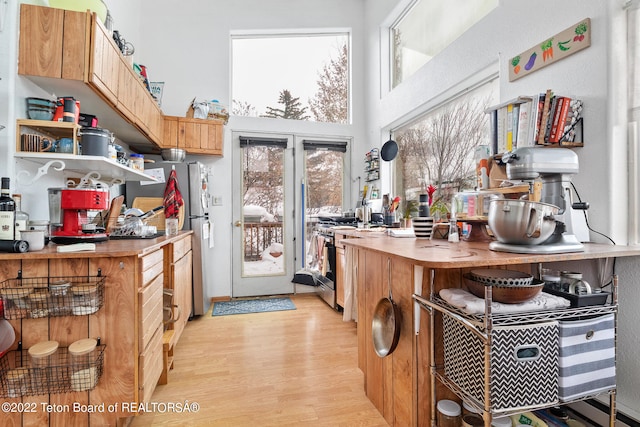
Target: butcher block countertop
109	248
439	253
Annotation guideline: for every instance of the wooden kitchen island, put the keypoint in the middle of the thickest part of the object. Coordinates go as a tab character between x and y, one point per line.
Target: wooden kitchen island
399	385
129	323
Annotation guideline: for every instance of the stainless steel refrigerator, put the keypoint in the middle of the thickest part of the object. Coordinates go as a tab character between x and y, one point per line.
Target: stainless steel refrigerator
193	179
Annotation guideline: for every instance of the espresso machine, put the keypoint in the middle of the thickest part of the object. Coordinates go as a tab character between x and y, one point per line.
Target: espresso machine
68	214
553	168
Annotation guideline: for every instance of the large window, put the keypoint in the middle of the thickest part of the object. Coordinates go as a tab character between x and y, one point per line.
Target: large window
427	28
297	77
438	147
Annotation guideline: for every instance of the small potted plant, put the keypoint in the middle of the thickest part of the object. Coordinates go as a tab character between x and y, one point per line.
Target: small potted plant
409	210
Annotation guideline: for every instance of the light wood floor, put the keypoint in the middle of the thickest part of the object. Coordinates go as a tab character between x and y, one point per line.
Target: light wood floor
286	368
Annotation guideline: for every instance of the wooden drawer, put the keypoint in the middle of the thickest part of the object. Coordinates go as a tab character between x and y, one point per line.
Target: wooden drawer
150	366
181	247
150	310
151	259
151	266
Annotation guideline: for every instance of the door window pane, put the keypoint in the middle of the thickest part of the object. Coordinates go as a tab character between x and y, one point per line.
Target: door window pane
263	201
324	172
427	28
297	77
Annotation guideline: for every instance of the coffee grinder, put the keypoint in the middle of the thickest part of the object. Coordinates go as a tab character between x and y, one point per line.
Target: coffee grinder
68	208
553	168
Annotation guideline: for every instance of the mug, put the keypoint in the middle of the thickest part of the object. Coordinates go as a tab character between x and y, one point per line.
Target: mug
65	145
35	238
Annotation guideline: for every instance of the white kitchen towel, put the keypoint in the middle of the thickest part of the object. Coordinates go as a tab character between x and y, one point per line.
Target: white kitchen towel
350	281
471	304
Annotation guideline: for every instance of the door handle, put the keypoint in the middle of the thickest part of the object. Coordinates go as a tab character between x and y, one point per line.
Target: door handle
238	223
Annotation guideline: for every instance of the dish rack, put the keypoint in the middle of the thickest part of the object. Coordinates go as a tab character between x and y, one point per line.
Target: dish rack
62	374
482	352
38	297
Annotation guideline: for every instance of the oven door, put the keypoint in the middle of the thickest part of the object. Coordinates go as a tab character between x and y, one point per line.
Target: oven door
327	291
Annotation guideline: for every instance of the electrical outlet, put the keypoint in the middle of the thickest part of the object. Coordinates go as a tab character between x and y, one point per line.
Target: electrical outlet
217	200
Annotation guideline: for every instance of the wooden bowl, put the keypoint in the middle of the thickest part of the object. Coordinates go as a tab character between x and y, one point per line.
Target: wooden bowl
505	294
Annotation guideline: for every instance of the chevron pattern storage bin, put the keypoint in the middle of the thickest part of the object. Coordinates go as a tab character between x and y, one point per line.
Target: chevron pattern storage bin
524	363
587	357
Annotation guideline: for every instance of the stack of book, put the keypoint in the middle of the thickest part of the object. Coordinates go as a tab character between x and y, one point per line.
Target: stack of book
543	119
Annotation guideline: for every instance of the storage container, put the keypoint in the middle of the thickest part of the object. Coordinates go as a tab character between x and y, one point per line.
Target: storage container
524	363
449	413
586	357
136	161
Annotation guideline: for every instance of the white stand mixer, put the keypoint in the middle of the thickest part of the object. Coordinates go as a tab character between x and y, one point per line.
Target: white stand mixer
553	168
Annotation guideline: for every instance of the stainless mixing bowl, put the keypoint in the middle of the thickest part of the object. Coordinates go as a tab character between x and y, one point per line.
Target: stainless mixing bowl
522	222
176	155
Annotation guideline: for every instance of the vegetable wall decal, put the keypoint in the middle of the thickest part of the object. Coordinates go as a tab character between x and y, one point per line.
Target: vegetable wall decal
552	49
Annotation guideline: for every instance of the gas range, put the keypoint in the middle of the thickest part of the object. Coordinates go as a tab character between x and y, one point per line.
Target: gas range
326	223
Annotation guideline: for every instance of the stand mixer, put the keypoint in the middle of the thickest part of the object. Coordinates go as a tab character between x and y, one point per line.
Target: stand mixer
553	167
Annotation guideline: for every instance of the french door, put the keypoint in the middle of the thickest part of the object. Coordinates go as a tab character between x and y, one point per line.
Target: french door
263	214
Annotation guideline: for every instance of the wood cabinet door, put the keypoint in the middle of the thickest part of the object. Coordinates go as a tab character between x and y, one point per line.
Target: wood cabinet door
170	132
41	30
127	86
104	63
211	138
182	291
53	42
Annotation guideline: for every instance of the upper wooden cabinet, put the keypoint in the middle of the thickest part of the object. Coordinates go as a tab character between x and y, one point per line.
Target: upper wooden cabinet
53	43
58	46
196	136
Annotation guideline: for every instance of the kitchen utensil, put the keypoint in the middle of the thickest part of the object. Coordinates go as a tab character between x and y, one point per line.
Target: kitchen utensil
385	324
72	204
67	110
504	294
573	283
497	276
35	238
40	108
36	143
174	155
7	336
114	213
65	145
389	150
95	141
40	353
522	222
553	230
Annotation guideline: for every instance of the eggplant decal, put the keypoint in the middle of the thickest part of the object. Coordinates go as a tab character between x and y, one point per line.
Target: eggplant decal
532	61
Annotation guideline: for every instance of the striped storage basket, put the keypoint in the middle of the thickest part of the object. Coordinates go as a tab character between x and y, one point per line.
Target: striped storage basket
587	357
524	363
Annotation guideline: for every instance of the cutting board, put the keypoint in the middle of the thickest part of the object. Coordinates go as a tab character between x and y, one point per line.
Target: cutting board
145	204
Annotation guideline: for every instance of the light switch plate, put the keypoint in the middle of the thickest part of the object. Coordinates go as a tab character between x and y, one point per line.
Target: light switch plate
216	200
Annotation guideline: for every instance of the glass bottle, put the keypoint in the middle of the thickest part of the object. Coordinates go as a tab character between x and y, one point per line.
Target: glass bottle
22	218
7	212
